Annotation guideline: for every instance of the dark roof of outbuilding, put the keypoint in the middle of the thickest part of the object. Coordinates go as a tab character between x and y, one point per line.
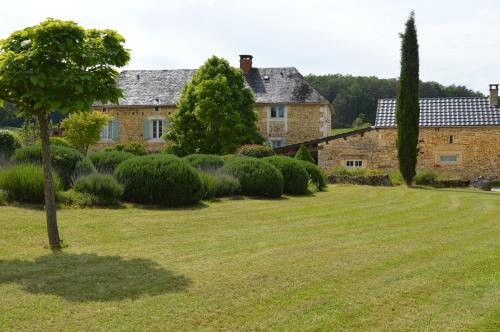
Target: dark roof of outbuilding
164	87
443	112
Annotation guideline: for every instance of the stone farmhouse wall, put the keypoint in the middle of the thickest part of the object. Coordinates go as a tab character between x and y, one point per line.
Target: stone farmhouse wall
478	150
302	122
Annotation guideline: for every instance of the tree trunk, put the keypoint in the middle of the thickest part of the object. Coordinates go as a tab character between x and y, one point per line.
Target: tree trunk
50	198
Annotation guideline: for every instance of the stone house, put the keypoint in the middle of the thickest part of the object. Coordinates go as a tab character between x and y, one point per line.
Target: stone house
289	109
458	137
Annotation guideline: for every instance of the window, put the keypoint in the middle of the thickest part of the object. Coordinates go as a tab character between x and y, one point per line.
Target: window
277	112
107	132
448	158
156	129
277	143
451	139
354	163
157	108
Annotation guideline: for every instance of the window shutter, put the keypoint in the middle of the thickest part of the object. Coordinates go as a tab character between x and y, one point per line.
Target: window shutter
116	130
147	135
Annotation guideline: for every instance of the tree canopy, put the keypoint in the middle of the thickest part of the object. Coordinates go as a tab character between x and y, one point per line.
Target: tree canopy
58	65
215	112
83	129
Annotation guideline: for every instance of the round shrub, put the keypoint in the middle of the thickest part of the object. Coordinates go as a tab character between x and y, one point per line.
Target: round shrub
228	157
315	174
257	177
256	151
208	185
160	179
8	144
294	174
204	162
54	140
226	185
304	154
425	178
25	183
68	163
134	148
107	161
104	188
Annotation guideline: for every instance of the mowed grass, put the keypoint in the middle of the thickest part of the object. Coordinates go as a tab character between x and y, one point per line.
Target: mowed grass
353	258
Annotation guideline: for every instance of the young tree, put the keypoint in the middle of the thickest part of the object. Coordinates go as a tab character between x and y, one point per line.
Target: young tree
83	129
304	154
407	104
215	113
58	65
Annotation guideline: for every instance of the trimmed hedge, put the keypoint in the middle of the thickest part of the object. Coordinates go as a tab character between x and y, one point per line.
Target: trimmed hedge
134	148
8	144
257	177
107	161
204	162
67	162
25	183
304	154
104	188
256	151
226	185
160	179
294	174
425	178
315	174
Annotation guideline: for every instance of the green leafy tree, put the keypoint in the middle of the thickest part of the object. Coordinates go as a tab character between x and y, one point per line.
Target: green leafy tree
304	154
83	129
360	121
58	65
407	104
215	112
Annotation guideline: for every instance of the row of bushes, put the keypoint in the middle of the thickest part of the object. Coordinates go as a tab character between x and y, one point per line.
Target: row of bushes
154	179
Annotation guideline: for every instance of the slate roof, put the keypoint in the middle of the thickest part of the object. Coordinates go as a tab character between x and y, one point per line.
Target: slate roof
443	112
164	87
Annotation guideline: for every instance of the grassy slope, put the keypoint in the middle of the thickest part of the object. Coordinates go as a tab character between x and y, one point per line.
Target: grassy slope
341	131
354	258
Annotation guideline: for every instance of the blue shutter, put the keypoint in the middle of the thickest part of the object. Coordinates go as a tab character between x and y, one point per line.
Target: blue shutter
146	129
115	130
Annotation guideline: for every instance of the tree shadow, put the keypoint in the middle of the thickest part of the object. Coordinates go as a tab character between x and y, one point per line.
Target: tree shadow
198	206
89	277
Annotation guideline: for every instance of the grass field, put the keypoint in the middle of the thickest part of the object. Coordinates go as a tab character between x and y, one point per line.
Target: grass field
353	258
338	131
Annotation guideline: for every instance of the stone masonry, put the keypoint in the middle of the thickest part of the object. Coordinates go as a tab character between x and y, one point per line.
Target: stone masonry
478	150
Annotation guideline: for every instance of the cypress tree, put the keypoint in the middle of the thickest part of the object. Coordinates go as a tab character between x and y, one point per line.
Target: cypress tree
407	105
304	154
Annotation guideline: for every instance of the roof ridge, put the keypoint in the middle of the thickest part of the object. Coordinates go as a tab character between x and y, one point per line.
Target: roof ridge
427	98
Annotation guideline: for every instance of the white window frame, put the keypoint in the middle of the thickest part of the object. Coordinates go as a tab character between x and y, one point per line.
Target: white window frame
277	139
151	128
108	129
283	119
456	160
353	163
456	154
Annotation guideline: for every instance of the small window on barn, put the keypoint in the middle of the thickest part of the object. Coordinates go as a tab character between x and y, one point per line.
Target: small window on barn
354	163
451	139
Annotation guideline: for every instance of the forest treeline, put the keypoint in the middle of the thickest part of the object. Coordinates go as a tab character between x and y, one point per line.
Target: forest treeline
354	95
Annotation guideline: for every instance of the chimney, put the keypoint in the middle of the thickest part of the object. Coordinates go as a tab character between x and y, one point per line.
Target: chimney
246	63
493	94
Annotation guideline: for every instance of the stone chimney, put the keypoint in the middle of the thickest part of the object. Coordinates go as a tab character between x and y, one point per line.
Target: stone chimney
246	63
493	94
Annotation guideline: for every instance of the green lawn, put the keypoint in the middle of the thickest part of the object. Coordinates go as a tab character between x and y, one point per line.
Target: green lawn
353	258
15	130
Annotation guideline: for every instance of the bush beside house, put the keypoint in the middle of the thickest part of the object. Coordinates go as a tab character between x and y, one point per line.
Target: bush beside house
295	176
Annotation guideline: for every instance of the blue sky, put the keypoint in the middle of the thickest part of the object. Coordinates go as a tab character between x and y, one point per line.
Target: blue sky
457	38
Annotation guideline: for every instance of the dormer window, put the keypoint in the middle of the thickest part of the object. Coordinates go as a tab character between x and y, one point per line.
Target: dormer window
266	77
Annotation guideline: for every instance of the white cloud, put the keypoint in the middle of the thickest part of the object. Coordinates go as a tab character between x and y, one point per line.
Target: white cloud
457	40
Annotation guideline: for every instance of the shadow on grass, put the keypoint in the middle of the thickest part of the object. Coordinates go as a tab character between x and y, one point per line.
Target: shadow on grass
200	205
89	277
456	190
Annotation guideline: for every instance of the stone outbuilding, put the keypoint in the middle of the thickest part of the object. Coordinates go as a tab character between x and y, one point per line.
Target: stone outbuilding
289	109
458	137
